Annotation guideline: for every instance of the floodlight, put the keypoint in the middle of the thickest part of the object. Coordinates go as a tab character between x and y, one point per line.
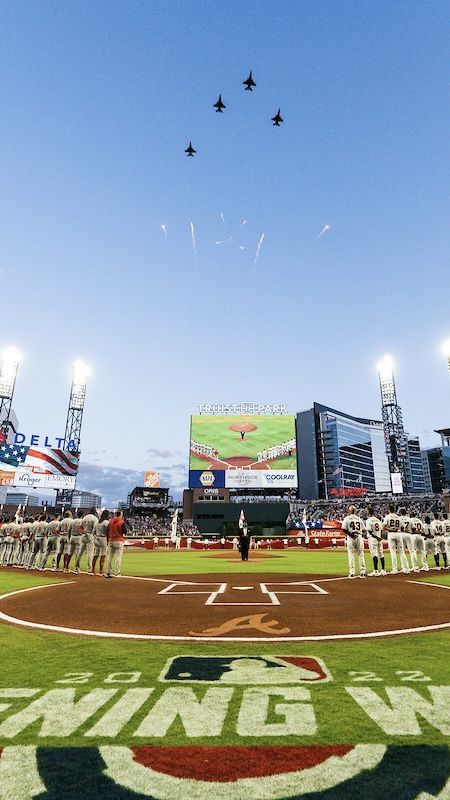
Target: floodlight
10	362
80	373
386	368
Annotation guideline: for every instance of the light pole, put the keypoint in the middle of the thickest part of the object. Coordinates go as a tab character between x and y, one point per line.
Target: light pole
72	434
8	374
394	432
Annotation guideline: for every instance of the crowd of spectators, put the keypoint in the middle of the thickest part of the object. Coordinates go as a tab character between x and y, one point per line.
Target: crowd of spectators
158	526
317	511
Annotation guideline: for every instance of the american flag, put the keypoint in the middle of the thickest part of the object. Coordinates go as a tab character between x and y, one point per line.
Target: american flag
39	459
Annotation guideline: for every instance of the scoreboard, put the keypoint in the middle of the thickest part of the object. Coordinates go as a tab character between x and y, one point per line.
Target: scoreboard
143	498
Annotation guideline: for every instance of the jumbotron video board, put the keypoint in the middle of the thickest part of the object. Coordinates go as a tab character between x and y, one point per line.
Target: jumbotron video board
243	452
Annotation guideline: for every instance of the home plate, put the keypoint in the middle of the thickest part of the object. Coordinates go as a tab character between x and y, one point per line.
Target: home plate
242	588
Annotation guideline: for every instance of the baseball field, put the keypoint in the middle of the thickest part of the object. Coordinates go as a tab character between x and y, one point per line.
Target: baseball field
259	433
205	677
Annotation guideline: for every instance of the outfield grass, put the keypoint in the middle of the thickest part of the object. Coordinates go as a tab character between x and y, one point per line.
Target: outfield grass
38	659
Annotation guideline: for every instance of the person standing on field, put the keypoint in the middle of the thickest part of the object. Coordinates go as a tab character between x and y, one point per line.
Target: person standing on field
87	540
64	541
76	532
353	527
374	530
392	525
100	541
116	541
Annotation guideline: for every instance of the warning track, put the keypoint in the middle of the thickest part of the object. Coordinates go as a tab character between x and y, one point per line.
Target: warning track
241	608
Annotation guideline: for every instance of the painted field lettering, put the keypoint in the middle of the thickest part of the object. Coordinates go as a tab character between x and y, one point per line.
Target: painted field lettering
13	693
363	677
123	677
399	716
298	714
413	675
76	677
204	717
59	712
121	712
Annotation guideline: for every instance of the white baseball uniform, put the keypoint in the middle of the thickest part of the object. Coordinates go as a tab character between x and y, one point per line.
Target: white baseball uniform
392	524
406	527
353	527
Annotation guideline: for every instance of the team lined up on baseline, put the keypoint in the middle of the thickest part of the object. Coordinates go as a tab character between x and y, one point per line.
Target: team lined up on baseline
405	535
29	543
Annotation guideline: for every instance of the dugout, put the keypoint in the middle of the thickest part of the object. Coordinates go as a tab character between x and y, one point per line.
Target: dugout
265	519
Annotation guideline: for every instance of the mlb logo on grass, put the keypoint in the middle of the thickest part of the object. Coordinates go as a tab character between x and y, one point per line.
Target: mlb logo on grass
246	670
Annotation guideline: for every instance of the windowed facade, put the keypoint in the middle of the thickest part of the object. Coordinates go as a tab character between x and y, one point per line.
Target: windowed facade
350	454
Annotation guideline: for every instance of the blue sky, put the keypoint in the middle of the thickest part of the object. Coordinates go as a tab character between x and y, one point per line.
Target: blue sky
99	101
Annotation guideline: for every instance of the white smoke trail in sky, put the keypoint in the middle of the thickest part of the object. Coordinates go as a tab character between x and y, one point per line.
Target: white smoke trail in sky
194	242
324	230
258	249
244	222
224	241
222	217
164	229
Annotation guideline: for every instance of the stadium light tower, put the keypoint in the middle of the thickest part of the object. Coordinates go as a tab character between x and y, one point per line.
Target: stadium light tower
394	432
8	374
446	352
72	434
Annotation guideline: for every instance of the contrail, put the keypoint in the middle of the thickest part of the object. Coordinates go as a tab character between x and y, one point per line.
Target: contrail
223	218
164	229
194	243
244	222
258	249
224	241
324	230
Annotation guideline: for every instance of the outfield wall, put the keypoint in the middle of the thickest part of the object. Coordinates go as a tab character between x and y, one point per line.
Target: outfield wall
223	518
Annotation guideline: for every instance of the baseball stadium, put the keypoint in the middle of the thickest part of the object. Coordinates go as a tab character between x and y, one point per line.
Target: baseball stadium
206	597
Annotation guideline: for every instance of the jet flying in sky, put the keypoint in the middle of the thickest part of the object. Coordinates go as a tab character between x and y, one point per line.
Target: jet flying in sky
190	150
249	83
219	106
277	119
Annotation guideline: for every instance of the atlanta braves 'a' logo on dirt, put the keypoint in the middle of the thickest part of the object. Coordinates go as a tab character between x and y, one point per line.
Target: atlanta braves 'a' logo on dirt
251	622
226	773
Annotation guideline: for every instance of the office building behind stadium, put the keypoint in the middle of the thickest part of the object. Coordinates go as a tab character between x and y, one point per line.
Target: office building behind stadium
341	455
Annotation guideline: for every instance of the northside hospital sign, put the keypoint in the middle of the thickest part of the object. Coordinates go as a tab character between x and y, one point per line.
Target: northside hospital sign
243	408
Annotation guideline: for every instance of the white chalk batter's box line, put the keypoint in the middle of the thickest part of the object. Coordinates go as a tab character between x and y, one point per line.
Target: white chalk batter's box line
274	601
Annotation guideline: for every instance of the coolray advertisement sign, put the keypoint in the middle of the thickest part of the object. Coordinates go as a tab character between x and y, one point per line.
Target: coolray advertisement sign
37	467
251	451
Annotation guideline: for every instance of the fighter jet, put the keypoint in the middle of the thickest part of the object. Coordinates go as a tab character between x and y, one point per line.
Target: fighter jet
249	83
277	119
190	150
219	106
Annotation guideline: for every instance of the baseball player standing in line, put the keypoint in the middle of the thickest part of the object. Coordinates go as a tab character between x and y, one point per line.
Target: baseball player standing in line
406	527
64	541
87	540
446	524
8	541
15	548
51	545
76	532
437	529
374	530
25	533
39	533
419	541
100	541
392	526
428	536
353	527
